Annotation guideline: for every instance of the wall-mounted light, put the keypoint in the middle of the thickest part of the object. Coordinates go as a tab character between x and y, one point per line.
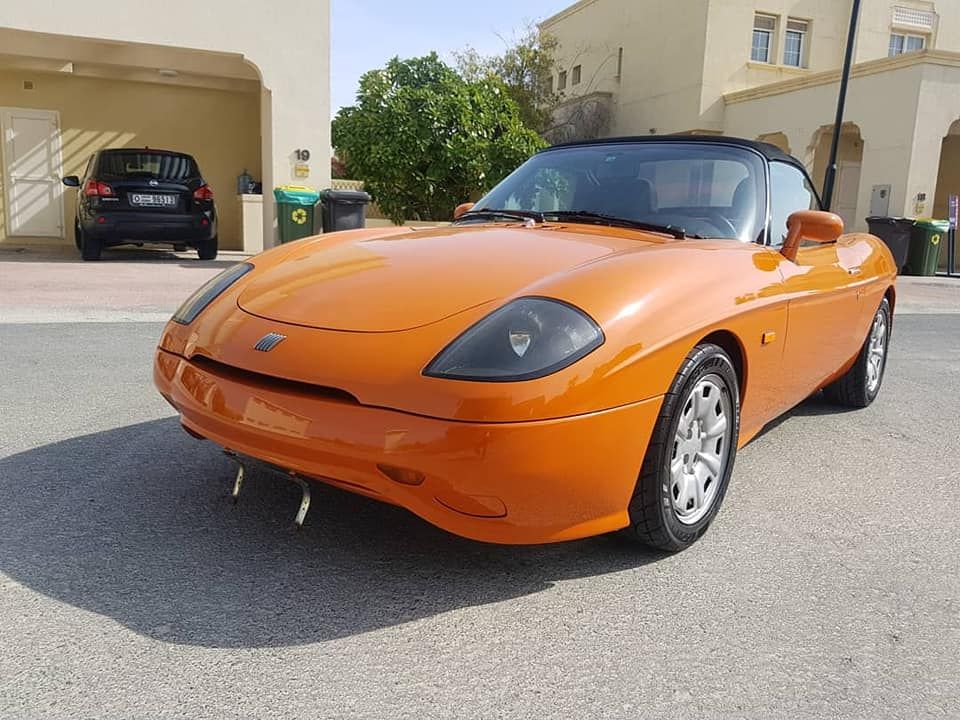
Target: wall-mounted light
167	73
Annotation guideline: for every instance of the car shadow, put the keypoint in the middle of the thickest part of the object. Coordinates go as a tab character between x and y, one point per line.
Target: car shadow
814	406
136	524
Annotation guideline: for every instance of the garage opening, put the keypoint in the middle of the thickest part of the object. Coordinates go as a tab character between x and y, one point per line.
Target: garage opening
948	176
63	98
849	160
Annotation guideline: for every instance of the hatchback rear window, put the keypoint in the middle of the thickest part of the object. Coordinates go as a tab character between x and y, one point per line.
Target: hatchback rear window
145	164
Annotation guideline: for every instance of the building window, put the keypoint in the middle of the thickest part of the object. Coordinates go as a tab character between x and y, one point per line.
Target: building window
577	70
550	85
795	43
562	80
901	43
764	28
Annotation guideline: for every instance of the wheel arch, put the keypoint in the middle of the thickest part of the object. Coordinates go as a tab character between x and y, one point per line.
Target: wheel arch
891	296
733	347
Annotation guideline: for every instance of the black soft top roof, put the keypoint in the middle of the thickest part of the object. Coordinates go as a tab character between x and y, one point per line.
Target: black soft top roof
770	152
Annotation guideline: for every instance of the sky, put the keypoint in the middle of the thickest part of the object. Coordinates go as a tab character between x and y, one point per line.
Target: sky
367	33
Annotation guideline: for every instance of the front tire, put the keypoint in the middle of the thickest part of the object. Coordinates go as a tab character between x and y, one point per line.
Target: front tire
860	385
690	456
207	249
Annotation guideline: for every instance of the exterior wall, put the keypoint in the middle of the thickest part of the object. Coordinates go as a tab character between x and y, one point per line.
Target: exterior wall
900	147
674	51
287	43
873	37
687	67
220	129
729	37
938	108
660	84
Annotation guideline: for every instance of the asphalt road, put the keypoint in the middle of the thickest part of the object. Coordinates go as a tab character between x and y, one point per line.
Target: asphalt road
829	587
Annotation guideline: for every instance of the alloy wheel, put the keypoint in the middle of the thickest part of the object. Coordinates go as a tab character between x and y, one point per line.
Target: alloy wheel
876	352
701	449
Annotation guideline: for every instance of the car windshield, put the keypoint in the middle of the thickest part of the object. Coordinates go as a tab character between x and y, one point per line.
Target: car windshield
701	189
146	164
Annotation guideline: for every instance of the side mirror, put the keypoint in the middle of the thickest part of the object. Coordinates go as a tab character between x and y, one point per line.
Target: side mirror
813	225
461	209
71	181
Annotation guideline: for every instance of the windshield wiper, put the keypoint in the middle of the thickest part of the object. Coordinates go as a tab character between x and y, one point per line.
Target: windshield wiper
508	214
601	219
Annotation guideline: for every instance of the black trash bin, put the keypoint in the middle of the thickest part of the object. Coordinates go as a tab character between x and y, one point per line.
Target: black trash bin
344	209
895	232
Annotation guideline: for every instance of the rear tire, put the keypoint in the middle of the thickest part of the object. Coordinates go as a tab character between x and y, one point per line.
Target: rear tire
690	455
90	247
207	249
77	235
860	385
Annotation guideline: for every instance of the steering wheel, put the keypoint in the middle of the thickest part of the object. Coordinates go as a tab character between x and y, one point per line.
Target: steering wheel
721	219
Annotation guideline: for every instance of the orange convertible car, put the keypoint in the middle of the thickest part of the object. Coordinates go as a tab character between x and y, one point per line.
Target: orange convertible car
582	351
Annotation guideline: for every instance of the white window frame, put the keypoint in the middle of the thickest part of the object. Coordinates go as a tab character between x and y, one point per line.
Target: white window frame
771	34
802	52
905	39
562	81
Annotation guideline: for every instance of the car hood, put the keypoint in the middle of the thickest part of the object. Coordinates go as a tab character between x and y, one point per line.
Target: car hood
400	282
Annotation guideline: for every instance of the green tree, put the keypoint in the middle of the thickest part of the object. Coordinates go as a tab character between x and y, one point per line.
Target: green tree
525	68
423	139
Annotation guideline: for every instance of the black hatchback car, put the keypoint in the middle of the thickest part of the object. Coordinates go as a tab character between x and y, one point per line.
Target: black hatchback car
134	196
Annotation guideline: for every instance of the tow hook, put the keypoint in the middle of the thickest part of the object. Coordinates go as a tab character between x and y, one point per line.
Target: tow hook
304	486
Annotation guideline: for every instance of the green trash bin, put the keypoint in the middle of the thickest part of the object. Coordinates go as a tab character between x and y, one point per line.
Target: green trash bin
926	239
296	211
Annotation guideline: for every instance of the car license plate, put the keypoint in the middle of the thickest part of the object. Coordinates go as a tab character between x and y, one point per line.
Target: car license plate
152	200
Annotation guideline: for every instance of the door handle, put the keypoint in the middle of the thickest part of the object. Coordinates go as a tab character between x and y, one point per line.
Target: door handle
854	271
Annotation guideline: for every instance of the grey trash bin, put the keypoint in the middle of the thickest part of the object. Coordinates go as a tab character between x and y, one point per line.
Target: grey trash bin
344	209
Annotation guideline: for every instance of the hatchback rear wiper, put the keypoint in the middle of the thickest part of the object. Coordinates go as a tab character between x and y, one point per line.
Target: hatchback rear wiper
601	219
509	214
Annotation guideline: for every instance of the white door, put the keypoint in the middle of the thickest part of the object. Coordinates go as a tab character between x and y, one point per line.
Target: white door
848	189
31	172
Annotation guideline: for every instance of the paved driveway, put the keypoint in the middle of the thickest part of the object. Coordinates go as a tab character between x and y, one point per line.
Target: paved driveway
131	587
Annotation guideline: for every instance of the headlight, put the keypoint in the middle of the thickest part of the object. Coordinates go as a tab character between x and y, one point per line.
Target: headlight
525	339
209	292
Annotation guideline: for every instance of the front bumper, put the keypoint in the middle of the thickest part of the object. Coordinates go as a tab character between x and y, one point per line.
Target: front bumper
523	482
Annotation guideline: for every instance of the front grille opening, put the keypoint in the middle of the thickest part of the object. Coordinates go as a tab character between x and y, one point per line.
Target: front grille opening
269	382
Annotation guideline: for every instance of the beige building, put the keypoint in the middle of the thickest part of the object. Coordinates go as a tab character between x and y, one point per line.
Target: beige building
239	85
769	69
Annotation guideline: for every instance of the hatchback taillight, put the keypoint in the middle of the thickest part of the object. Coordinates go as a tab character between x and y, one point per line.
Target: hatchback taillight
94	188
203	193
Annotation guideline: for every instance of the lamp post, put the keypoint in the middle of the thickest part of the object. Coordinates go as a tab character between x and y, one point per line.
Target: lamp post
831	177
